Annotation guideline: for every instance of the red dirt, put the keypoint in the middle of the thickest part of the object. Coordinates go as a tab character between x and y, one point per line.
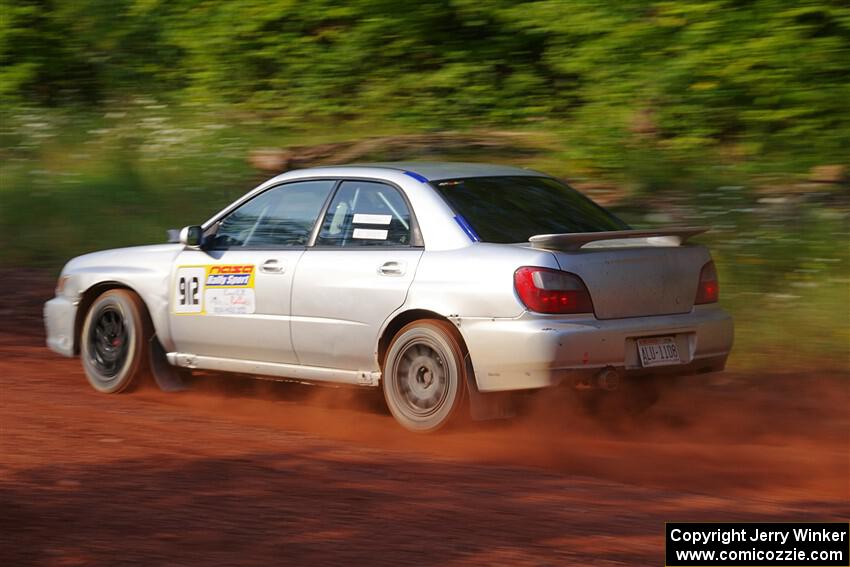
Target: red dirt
238	471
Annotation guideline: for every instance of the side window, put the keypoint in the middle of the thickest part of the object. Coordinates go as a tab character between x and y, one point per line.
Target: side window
366	213
280	217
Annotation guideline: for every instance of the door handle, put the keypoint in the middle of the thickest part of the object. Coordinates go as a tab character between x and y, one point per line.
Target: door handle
272	267
391	268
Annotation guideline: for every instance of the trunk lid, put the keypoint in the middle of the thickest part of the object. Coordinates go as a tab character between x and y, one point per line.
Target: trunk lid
635	273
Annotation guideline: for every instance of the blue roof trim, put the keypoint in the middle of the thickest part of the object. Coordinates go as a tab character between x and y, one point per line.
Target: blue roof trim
470	232
416	176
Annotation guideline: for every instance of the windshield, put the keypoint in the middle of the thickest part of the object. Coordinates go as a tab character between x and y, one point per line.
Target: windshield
508	209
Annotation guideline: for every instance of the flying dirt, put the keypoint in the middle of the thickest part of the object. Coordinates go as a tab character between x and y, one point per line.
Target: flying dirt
242	471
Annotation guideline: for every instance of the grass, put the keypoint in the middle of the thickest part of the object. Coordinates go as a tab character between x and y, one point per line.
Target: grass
69	186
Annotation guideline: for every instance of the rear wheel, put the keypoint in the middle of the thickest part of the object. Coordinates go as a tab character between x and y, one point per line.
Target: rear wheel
114	341
424	382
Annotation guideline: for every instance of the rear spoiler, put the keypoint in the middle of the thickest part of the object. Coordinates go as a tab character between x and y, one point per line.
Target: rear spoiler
615	238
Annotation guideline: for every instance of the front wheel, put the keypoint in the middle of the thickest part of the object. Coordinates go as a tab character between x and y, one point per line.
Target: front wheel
424	377
114	341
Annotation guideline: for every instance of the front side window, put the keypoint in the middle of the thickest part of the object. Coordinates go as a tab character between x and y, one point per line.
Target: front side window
366	213
280	217
511	209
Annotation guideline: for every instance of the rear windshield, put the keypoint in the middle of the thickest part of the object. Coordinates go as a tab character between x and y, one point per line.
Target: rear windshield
508	209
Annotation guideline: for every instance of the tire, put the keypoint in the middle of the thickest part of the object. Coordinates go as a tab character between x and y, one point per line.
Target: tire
424	377
115	341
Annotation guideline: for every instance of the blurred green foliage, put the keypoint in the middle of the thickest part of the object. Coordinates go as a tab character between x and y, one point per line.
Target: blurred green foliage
755	80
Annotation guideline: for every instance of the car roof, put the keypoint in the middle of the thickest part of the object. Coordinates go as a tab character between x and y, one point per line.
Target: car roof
437	170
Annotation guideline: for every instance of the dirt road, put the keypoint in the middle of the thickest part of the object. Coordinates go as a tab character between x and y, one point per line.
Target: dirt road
255	473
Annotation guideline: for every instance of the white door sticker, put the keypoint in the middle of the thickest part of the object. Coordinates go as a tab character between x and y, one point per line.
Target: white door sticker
370	234
362	218
229	301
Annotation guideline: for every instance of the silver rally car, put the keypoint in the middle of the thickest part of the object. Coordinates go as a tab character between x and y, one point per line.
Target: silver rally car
446	284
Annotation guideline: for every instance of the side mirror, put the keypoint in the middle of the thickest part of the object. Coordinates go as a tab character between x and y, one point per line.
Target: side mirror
191	236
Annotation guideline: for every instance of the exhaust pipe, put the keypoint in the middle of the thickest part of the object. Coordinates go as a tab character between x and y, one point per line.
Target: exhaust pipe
608	378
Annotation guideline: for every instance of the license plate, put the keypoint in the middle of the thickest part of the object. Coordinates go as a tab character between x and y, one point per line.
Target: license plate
658	351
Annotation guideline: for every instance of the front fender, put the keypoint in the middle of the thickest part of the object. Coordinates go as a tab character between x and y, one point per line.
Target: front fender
145	270
150	285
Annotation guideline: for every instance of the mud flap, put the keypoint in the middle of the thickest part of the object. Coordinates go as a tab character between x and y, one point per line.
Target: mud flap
169	378
490	405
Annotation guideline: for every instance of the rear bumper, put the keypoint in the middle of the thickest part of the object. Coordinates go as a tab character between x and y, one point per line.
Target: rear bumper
537	351
59	316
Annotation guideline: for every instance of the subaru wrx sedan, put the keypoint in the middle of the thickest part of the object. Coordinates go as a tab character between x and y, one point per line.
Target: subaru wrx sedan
448	285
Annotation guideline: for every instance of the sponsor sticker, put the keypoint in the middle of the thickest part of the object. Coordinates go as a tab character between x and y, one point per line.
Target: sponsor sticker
216	289
230	276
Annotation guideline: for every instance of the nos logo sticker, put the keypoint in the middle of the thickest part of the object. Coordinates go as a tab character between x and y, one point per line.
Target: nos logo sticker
219	289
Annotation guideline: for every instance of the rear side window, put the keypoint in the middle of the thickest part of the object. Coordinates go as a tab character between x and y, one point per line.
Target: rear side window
509	209
366	213
280	217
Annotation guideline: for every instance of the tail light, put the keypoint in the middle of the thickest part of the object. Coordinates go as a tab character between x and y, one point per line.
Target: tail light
551	291
709	288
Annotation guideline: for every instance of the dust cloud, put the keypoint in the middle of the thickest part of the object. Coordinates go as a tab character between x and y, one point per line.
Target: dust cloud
726	434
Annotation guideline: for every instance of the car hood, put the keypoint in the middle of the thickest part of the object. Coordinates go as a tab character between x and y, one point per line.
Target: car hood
145	269
134	258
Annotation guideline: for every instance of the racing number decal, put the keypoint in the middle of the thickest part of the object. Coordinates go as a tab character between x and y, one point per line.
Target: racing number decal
188	289
217	289
189	296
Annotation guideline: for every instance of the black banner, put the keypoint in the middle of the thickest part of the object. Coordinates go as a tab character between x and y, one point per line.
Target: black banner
754	544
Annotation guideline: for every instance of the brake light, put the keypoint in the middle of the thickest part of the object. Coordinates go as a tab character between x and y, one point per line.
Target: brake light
552	291
709	288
